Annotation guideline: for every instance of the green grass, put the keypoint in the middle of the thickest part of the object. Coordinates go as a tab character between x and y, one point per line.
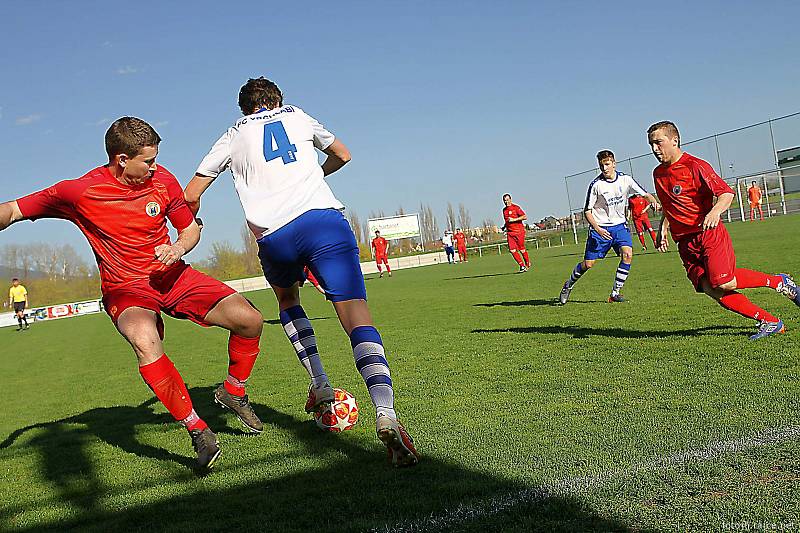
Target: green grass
502	391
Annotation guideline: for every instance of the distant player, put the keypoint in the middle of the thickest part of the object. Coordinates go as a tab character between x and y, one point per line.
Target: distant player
18	298
755	197
513	225
638	206
272	154
310	277
380	248
461	245
122	209
447	243
604	209
687	187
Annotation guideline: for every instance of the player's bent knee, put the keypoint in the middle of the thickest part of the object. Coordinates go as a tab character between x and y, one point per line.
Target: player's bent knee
727	286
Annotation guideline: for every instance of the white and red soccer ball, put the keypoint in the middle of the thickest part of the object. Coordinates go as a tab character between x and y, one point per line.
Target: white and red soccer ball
341	415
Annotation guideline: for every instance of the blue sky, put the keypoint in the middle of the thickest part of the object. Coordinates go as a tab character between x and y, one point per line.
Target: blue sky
438	101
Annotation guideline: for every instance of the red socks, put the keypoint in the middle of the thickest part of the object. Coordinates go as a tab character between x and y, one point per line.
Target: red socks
518	258
242	353
738	303
750	279
166	382
641	240
525	256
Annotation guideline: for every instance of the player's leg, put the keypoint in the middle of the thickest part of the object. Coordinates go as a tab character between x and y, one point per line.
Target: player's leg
380	268
525	257
760	212
596	248
19	316
300	333
388	268
244	322
139	326
622	243
639	223
649	227
513	247
335	260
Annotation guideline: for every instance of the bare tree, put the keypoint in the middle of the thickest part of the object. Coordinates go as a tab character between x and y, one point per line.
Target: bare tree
355	225
451	217
252	263
429	229
400	211
464	218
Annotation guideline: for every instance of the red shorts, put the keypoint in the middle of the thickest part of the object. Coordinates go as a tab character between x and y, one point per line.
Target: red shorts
381	259
710	254
516	241
182	293
642	223
462	250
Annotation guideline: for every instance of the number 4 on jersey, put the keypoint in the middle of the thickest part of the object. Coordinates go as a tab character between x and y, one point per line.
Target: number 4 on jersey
275	132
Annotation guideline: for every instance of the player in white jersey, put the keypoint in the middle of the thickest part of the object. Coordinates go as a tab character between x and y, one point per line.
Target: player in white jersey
604	209
272	154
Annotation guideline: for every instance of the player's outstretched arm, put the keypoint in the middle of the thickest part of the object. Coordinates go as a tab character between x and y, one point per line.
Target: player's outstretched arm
338	156
194	190
187	239
662	240
653	202
9	213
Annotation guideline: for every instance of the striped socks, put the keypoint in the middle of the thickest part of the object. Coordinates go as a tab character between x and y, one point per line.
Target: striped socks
577	272
299	331
622	274
371	363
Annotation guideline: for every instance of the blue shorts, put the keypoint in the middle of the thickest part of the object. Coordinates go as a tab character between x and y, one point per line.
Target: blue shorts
323	240
597	247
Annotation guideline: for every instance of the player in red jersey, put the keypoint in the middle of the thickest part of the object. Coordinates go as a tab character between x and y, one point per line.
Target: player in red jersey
754	196
513	215
638	206
461	245
122	209
379	248
687	186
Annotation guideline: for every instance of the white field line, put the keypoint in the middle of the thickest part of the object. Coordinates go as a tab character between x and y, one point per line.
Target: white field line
577	485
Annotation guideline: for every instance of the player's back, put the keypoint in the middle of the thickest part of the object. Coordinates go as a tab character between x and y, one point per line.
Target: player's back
273	159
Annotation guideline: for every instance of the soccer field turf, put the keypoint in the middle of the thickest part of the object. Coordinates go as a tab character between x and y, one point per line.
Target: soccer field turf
656	414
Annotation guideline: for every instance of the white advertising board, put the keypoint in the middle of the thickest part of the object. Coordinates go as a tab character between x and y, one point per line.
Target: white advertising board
399	227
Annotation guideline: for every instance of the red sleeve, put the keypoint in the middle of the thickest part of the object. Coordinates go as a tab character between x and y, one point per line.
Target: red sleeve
521	212
178	213
47	203
710	178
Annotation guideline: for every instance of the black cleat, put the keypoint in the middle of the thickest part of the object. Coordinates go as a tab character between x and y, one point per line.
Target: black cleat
206	445
615	298
240	405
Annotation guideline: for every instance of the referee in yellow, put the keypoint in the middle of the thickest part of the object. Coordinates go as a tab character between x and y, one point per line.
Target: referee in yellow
18	297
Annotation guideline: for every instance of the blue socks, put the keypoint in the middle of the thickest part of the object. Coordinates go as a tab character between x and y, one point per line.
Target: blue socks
622	274
371	363
301	334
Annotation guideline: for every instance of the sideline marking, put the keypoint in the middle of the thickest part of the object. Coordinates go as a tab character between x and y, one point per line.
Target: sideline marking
576	485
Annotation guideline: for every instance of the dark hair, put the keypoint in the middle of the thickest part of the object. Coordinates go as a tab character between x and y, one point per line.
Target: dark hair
506	194
14	279
671	128
128	135
602	155
259	92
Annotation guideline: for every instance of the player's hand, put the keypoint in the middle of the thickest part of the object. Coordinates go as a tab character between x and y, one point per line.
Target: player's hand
169	254
711	221
605	234
656	208
663	242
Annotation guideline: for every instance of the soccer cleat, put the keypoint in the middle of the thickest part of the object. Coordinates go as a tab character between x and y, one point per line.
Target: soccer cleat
789	288
317	396
380	275
240	405
522	269
400	445
615	298
207	447
768	328
564	296
390	273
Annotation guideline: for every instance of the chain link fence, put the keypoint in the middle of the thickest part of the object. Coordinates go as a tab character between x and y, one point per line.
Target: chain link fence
767	153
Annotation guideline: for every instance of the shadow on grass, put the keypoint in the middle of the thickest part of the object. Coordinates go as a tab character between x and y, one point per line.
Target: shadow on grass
547	302
277	321
484	275
353	489
583	332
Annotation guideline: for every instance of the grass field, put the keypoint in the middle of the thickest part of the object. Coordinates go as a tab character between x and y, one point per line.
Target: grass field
653	415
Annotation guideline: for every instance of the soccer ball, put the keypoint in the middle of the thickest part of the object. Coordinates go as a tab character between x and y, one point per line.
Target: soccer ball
341	415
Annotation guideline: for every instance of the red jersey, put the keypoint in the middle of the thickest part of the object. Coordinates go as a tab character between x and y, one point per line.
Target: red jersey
461	239
379	245
637	205
754	194
122	223
513	211
687	189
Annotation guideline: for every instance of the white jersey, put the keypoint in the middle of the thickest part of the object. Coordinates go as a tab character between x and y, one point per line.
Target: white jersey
447	240
607	200
275	167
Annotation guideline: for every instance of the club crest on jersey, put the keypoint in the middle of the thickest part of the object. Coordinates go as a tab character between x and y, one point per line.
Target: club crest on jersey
152	209
677	189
